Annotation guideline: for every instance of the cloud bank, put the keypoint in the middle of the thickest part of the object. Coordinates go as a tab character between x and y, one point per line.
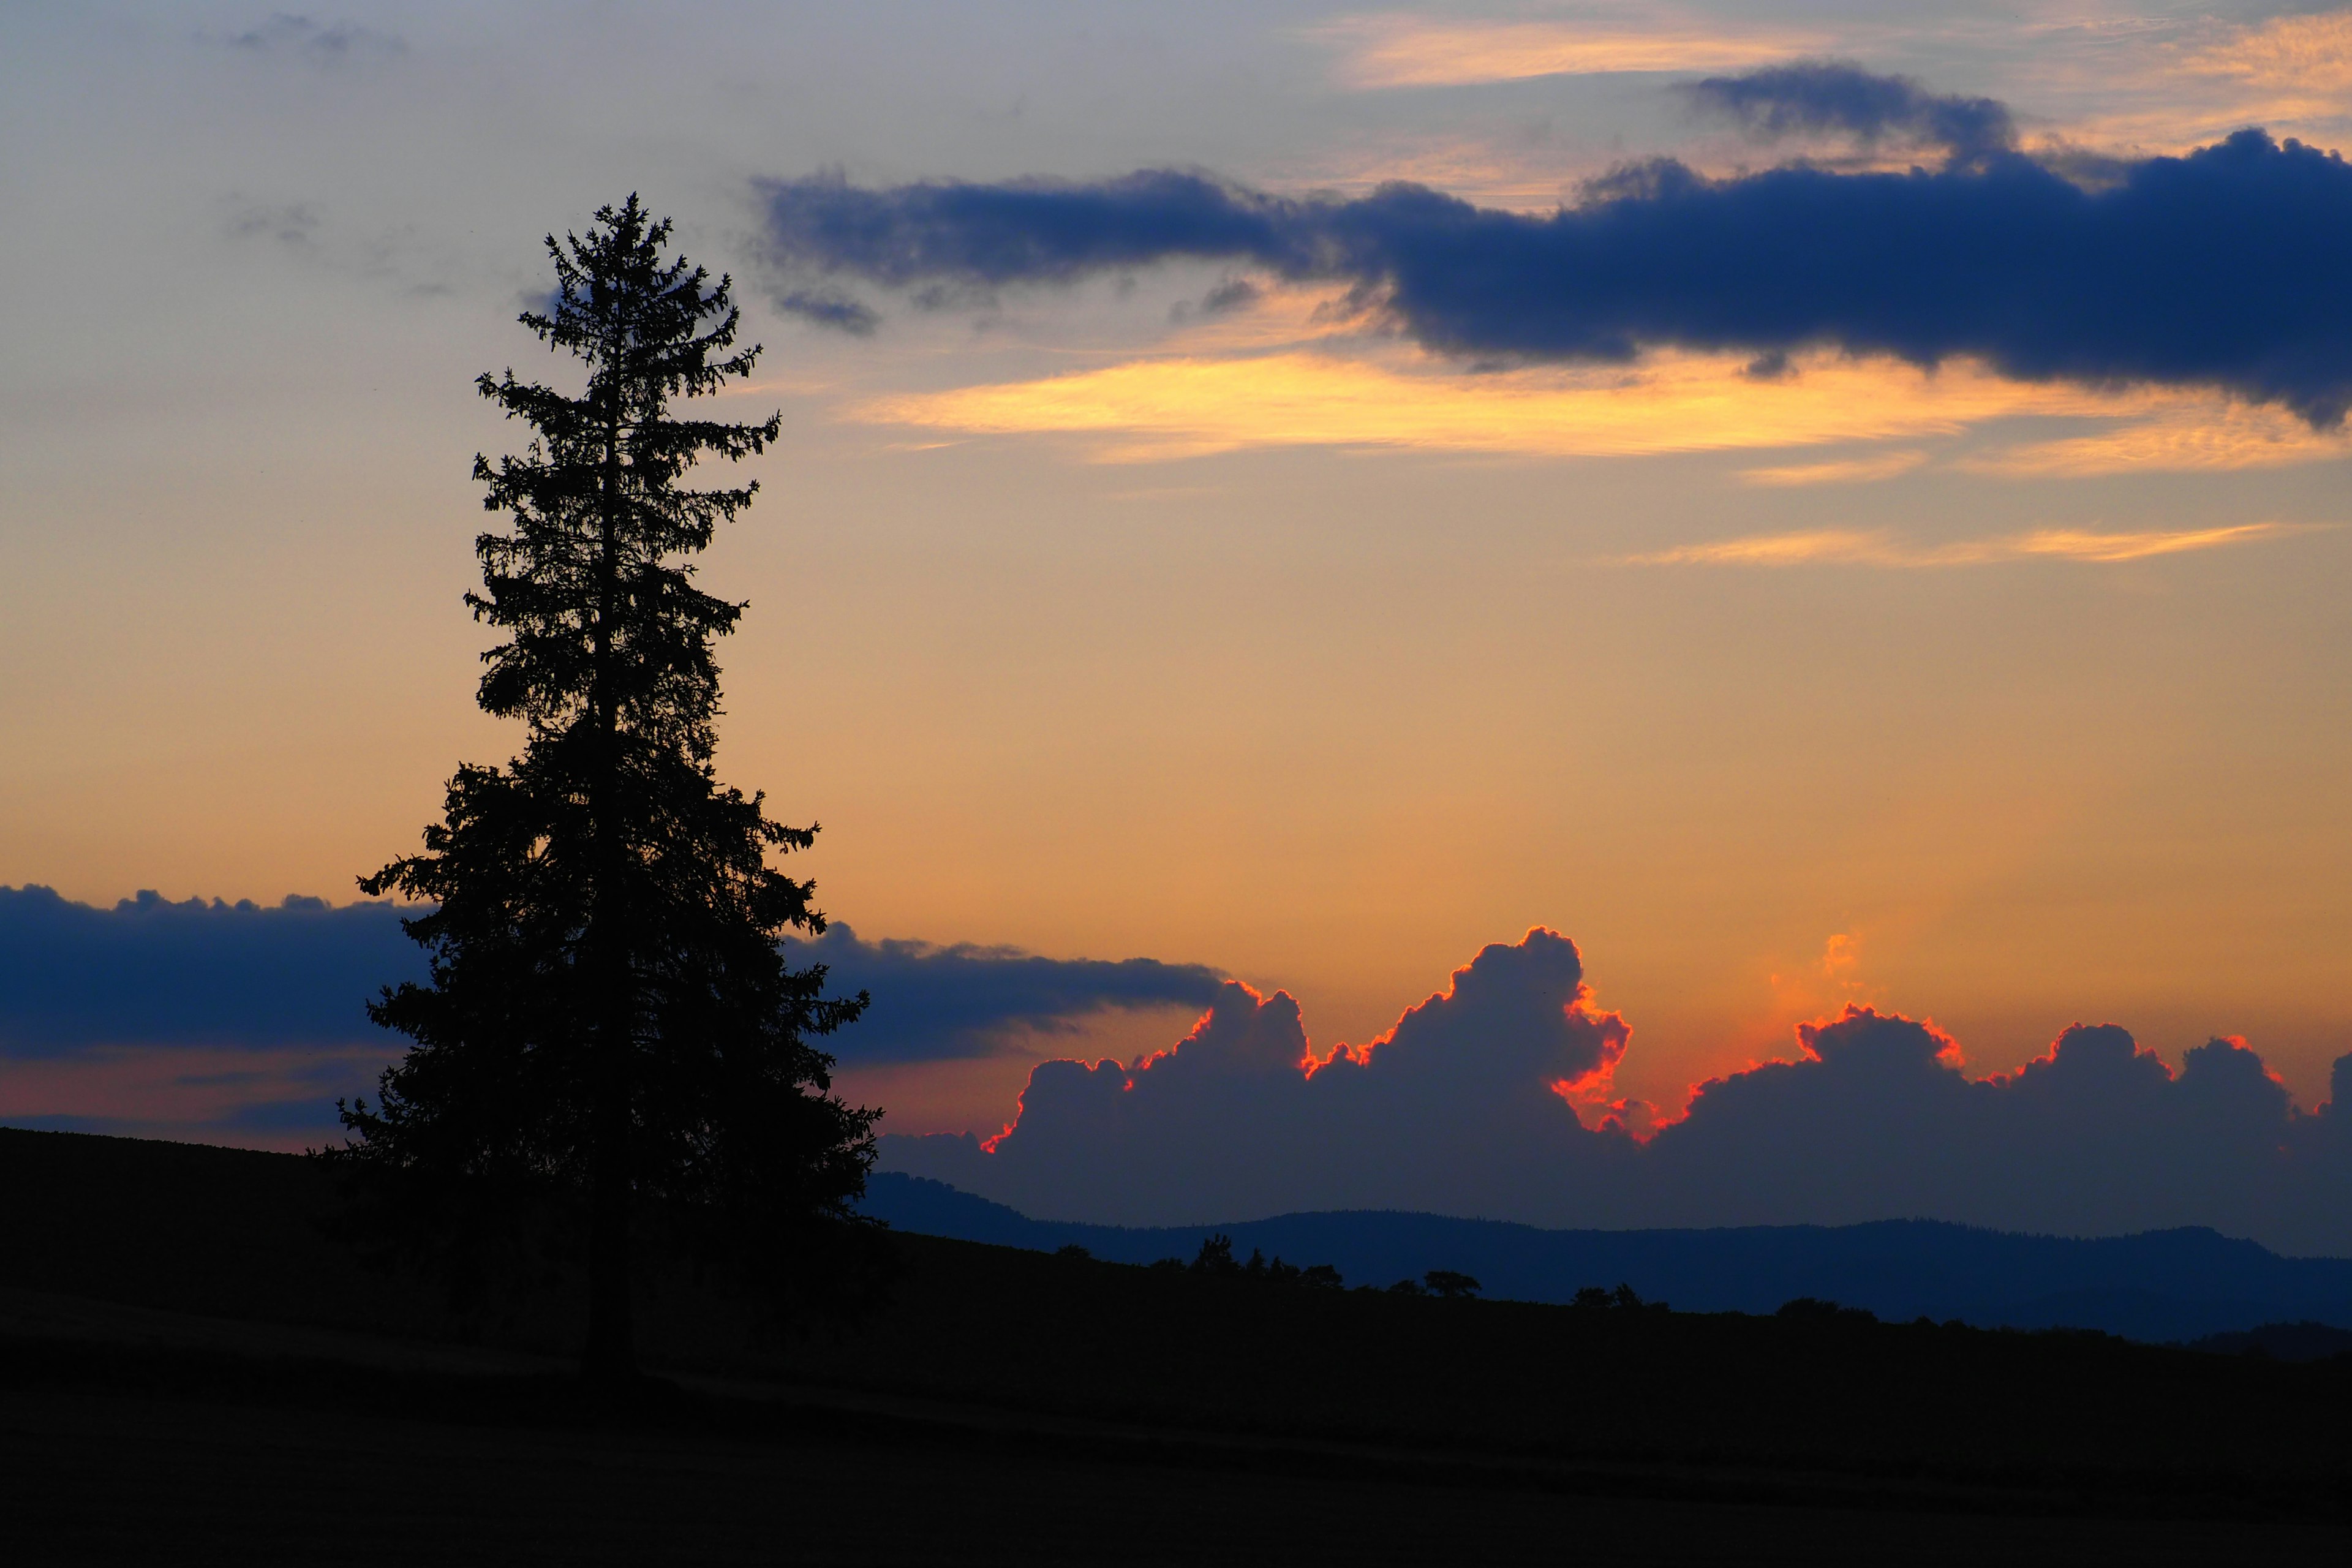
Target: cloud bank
2221	269
242	1023
1469	1107
153	971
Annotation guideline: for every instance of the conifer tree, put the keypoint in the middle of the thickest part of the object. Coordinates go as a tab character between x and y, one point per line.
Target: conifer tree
609	1011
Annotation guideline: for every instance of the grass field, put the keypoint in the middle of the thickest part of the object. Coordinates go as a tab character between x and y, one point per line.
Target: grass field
191	1367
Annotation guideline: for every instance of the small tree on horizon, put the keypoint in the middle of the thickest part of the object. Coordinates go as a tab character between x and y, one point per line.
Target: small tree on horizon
609	1011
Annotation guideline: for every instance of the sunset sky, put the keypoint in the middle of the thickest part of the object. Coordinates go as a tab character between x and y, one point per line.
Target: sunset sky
1241	603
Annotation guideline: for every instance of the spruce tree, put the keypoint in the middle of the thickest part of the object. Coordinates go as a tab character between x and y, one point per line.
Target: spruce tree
609	1013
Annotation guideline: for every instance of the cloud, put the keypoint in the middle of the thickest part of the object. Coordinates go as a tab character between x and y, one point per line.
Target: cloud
2179	440
294	225
1402	50
1808	97
932	1003
257	1097
823	308
1879	547
2220	268
294	37
1455	1109
1850	470
2307	56
1469	1105
149	972
1191	404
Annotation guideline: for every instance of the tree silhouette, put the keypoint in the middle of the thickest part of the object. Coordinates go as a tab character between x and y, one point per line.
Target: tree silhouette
609	1010
1216	1258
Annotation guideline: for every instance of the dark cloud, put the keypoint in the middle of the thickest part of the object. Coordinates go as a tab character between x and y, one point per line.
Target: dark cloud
152	972
1810	98
1461	1111
932	1003
826	308
1232	294
2223	267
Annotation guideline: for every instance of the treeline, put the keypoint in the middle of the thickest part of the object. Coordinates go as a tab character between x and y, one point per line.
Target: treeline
1216	1260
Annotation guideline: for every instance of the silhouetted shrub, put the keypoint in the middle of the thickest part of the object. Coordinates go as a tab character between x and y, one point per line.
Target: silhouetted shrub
1624	1298
1216	1257
1448	1283
1812	1309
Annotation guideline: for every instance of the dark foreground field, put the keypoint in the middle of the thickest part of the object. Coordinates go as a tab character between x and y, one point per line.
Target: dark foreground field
190	1370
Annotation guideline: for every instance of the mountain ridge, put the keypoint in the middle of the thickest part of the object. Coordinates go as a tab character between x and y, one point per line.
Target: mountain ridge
2169	1284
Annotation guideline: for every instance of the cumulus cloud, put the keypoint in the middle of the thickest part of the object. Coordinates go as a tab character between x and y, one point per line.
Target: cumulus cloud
2220	268
1810	98
1469	1105
1457	1109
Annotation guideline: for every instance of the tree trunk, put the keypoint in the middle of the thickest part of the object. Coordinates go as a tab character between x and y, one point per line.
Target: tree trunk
610	1356
611	1353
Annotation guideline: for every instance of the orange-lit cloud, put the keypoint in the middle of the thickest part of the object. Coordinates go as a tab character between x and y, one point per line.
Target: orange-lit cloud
1406	50
2295	57
258	1097
2213	437
1493	1099
1880	547
2175	85
1155	409
1853	471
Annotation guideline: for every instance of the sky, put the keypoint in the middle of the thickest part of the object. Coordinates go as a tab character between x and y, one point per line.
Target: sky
1820	505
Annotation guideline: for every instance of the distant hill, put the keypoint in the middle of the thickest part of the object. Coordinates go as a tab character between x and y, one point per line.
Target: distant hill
2162	1286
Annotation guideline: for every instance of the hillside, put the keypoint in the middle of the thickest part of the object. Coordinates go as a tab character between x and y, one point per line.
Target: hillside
157	1282
2163	1285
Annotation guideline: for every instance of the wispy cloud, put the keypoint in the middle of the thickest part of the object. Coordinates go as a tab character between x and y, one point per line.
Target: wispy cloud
1186	407
2176	440
1881	547
2303	56
1852	470
289	36
1400	49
